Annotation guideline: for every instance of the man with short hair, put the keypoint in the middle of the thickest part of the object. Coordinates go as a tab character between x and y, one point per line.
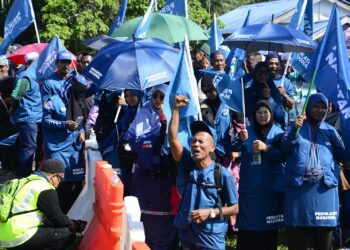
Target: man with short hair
85	60
52	86
26	110
200	218
218	61
36	220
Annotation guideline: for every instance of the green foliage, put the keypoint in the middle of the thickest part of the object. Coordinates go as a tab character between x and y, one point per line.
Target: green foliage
76	20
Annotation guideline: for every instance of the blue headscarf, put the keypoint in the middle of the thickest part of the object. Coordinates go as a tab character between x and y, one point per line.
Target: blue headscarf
130	113
313	99
147	120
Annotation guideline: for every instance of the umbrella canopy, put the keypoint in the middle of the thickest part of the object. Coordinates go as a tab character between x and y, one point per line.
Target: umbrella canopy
135	64
18	55
169	28
270	37
98	42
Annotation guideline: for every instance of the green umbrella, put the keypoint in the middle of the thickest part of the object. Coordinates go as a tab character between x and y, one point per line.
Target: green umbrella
169	28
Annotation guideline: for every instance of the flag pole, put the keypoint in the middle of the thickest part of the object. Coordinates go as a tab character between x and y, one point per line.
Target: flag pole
307	98
186	9
35	25
243	106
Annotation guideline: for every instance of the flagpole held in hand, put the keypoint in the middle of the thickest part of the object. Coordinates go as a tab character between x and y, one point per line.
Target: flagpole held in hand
307	98
243	104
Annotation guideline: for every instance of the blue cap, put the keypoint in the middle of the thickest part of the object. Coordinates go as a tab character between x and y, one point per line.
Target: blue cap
81	79
64	56
272	54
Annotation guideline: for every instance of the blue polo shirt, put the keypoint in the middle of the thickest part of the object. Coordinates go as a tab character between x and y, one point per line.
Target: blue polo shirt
198	194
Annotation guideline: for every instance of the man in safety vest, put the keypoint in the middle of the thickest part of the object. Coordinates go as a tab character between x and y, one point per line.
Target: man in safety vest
36	220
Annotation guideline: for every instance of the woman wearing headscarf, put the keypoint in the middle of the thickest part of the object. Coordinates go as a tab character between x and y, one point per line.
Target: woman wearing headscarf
312	171
63	128
153	177
126	155
261	181
263	88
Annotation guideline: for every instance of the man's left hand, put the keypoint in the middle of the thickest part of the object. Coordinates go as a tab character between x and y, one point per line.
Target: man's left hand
81	137
200	215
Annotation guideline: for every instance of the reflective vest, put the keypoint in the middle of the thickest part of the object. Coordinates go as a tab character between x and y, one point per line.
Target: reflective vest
26	218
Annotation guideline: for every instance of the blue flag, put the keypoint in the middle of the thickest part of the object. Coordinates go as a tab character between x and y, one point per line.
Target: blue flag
302	20
45	65
333	71
234	61
18	19
9	141
175	7
119	19
216	37
230	90
142	28
184	83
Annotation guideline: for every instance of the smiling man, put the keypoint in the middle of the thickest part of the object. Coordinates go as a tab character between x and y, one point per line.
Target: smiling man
201	222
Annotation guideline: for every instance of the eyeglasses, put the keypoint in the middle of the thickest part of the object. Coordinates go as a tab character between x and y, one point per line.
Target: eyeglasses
158	96
1	66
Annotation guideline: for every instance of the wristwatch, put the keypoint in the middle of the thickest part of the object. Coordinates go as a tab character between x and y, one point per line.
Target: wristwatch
212	214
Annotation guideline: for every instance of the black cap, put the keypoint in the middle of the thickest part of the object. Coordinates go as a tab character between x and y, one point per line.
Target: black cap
53	166
200	126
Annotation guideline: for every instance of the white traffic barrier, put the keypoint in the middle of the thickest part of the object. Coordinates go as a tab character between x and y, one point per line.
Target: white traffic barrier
132	226
82	207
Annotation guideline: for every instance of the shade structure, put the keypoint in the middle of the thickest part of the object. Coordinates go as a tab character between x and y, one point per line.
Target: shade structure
169	28
134	64
270	37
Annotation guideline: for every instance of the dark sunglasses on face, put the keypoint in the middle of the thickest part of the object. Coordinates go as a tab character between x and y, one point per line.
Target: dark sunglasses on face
1	66
158	96
59	178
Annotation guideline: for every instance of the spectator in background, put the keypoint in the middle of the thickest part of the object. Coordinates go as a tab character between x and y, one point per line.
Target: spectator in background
63	122
27	112
249	64
218	61
84	61
4	67
52	86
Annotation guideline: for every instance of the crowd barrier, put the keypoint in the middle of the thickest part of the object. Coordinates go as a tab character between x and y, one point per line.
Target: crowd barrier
82	207
105	229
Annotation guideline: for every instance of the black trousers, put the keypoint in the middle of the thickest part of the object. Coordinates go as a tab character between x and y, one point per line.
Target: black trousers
307	238
49	238
257	240
67	193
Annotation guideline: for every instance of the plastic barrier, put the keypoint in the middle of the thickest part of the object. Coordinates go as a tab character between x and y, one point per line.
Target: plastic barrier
138	245
105	229
133	228
82	207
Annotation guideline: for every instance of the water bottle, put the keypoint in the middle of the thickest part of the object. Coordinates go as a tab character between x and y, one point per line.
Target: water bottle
256	158
92	135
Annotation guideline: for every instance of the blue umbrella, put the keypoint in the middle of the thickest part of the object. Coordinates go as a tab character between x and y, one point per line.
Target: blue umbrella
98	42
134	64
270	37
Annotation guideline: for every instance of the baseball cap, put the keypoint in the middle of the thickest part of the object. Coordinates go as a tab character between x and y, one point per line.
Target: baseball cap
3	60
53	166
65	55
201	126
81	79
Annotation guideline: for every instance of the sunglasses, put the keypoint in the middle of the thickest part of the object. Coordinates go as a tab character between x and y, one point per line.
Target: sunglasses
1	66
158	96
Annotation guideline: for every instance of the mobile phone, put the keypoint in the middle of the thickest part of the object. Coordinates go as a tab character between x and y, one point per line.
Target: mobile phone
79	120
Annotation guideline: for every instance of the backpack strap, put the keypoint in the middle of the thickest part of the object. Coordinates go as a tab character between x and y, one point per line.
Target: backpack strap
217	180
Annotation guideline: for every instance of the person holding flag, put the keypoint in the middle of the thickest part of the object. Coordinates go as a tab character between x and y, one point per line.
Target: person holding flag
311	197
202	223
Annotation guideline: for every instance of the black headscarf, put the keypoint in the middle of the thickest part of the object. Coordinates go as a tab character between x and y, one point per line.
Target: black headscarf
262	130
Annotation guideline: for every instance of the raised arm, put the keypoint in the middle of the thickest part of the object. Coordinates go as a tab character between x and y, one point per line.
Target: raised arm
175	144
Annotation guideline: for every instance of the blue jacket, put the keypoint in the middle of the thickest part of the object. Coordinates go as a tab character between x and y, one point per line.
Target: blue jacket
29	109
52	86
330	150
56	133
261	186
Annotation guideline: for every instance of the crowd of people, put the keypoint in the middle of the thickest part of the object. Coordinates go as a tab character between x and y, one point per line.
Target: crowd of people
252	174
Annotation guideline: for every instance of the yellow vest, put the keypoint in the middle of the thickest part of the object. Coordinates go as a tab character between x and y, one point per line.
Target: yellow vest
21	227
